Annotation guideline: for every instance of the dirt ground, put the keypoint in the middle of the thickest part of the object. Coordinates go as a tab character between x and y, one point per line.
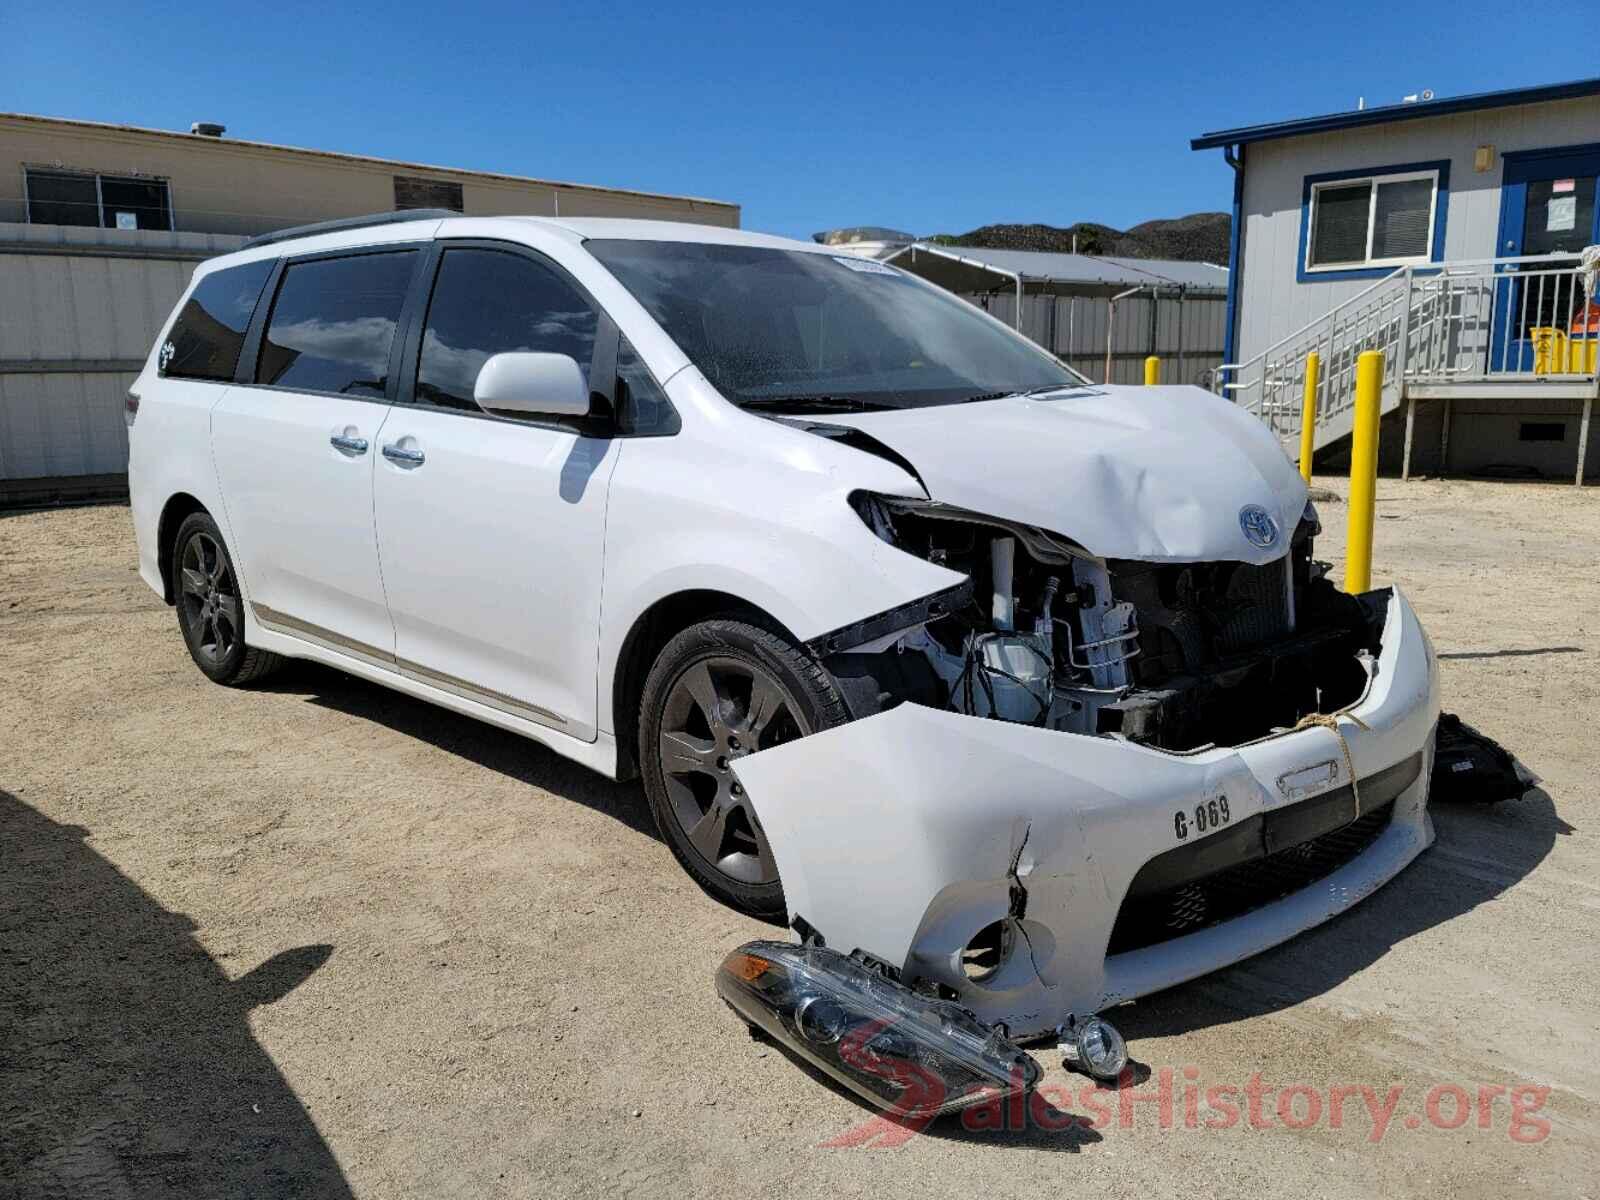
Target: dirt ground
320	939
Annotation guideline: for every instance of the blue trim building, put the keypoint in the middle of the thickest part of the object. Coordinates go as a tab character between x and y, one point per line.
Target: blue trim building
1326	206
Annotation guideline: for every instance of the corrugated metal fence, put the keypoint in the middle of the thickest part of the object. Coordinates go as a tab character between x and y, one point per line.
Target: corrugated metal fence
79	309
1186	333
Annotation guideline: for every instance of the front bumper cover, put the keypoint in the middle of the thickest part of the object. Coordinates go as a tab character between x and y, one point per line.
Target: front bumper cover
907	833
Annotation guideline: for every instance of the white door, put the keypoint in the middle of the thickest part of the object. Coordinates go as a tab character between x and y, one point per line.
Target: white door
295	452
490	531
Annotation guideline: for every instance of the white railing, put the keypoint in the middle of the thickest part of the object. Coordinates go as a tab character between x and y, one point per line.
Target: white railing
1502	319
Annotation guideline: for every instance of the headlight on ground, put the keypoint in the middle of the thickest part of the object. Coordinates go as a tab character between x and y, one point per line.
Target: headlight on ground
898	1049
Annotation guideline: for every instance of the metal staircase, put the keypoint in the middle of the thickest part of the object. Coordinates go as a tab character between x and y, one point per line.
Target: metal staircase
1488	327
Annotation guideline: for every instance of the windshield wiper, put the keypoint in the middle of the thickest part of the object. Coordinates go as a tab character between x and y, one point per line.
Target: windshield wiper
813	403
1045	390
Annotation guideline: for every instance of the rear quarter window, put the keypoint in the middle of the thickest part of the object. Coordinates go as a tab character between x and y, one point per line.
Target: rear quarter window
209	333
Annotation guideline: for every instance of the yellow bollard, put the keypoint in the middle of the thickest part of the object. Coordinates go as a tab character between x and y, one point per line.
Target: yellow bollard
1152	371
1308	416
1363	472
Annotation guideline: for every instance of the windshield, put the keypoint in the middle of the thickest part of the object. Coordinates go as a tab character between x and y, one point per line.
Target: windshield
777	329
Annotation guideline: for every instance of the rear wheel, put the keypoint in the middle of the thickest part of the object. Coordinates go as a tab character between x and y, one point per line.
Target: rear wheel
720	690
211	606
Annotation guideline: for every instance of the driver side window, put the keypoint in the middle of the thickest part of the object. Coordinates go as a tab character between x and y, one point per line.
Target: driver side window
486	302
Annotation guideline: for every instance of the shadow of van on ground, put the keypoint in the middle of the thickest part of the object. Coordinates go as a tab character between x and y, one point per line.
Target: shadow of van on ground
499	750
127	1063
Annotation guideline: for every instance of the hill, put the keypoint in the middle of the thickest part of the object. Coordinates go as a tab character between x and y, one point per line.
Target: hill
1198	237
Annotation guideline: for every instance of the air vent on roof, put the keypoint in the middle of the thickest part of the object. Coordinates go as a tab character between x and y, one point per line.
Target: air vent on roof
208	129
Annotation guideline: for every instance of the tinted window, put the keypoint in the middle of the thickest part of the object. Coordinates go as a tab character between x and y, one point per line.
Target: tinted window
333	324
642	407
207	336
487	303
62	199
133	204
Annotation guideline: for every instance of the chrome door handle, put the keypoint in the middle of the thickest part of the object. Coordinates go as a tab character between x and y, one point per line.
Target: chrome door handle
350	445
403	456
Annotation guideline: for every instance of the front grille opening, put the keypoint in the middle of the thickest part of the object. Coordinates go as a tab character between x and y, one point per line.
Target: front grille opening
1233	891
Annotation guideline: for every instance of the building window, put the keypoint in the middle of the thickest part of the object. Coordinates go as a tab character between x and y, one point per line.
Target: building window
1372	221
110	201
411	192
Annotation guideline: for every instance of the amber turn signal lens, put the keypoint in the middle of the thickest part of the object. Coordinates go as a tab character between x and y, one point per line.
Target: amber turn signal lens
747	967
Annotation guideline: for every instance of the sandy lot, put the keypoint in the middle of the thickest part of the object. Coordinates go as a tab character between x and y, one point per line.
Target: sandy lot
321	939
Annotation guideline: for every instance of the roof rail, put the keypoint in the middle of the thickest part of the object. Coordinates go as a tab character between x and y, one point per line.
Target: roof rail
343	223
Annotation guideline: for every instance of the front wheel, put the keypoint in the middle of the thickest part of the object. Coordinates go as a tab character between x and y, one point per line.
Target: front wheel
718	691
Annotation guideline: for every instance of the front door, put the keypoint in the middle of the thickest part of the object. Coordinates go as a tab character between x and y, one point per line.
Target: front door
294	451
490	530
1547	207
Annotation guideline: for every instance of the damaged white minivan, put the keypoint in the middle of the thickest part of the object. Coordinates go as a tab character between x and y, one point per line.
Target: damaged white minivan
1029	693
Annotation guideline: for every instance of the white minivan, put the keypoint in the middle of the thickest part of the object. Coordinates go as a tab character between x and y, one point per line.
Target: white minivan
1026	690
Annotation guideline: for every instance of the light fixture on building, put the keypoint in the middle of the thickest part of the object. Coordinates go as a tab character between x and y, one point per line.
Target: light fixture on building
1483	158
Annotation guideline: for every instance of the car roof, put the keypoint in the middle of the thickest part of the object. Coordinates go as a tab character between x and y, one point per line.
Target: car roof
636	230
350	233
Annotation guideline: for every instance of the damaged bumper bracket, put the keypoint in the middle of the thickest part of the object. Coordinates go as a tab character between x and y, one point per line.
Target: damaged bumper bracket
893	621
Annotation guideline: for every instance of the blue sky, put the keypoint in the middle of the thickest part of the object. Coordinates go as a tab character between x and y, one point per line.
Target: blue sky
933	118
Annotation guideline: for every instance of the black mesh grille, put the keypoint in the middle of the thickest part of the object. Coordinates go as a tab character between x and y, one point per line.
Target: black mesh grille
1236	890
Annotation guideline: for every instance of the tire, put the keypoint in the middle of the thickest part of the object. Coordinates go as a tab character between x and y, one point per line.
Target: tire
720	690
210	606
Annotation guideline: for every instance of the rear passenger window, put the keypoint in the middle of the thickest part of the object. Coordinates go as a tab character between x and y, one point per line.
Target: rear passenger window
333	324
207	336
486	303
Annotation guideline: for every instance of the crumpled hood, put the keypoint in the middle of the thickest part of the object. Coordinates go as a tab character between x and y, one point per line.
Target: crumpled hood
1152	473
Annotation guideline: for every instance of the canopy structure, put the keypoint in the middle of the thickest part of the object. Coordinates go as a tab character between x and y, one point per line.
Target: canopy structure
1098	313
975	269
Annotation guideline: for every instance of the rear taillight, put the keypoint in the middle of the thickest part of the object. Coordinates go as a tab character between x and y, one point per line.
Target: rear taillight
130	407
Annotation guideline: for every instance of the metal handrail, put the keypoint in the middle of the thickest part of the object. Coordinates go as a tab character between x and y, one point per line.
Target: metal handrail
1505	316
1428	268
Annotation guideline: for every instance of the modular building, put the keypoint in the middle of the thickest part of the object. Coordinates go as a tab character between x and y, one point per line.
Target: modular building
100	228
1456	235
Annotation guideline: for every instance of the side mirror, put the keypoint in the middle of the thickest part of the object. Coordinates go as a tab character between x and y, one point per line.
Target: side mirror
542	385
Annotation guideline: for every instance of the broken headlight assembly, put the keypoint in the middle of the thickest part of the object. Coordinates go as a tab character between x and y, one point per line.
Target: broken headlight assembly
900	1050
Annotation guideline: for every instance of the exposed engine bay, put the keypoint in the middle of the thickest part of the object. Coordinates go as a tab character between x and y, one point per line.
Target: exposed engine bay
1177	656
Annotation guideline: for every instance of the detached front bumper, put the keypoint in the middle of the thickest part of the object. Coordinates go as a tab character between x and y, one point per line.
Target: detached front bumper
1113	869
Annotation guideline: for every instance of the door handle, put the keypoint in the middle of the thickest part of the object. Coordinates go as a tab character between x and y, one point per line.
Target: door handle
350	445
404	456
